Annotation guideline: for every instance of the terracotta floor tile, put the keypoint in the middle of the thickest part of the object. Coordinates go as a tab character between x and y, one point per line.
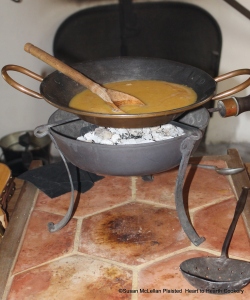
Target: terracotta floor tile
109	191
133	233
74	277
213	223
160	190
166	275
40	245
197	183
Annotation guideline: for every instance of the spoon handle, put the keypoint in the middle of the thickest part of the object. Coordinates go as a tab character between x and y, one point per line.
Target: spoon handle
60	66
238	210
210	167
222	171
71	73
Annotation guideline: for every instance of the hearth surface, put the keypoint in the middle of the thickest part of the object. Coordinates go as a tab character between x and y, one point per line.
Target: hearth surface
124	240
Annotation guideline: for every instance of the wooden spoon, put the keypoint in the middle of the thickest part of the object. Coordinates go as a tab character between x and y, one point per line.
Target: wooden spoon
114	98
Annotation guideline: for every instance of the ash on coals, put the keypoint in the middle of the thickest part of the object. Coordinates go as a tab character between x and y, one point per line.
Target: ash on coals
123	136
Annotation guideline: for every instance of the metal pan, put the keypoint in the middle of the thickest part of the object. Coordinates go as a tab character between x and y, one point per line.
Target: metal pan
57	89
120	160
220	274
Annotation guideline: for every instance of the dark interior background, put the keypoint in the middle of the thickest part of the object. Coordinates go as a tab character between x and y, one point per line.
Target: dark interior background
171	30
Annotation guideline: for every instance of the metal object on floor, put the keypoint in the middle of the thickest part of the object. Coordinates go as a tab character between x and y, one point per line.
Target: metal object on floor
222	273
42	131
222	171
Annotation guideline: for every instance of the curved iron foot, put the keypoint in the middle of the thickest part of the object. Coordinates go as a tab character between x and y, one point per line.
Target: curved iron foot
41	131
186	149
147	178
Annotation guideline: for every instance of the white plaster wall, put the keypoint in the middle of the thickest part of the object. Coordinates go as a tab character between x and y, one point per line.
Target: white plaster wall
36	21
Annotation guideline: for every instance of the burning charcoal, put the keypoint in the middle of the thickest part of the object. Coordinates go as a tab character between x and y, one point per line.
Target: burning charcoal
120	131
147	136
93	138
170	130
122	136
107	142
103	133
159	136
146	130
157	128
115	138
134	132
134	141
135	136
113	130
88	137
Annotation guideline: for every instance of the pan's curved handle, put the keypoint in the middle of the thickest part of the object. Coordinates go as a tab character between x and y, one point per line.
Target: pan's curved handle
17	85
235	89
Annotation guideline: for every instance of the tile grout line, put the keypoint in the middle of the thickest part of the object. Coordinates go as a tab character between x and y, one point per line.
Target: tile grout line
149	202
90	214
76	252
105	209
77	235
134	268
134	284
74	249
106	260
163	257
46	263
195	209
133	188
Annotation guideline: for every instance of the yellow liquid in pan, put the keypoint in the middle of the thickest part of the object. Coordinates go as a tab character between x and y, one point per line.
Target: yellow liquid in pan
157	95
